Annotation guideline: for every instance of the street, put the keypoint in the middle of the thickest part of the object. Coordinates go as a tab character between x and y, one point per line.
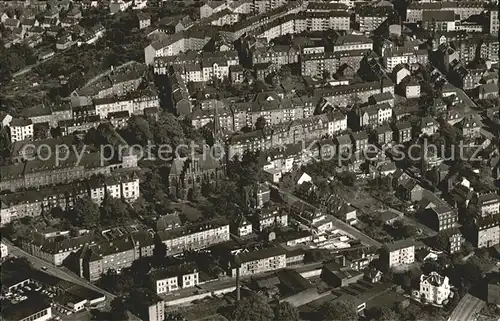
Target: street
38	263
467	308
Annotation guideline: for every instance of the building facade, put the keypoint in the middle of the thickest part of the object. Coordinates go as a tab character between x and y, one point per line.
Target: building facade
434	288
399	253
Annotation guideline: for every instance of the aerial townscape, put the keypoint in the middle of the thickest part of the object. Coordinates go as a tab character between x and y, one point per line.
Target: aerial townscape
250	160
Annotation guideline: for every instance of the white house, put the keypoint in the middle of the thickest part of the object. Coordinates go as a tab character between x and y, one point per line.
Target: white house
4	250
174	278
434	288
20	129
412	89
399	253
269	218
384	113
5	120
244	227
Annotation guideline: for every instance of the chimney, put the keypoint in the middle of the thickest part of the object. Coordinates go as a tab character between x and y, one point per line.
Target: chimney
238	295
237	263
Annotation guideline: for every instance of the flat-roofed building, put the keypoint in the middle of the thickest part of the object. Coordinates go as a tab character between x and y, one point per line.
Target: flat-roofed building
173	278
21	129
260	260
195	236
398	253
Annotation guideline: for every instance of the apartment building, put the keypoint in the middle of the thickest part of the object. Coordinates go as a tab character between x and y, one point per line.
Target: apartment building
489	48
375	115
96	259
62	194
326	64
434	288
352	42
403	132
134	106
20	129
494	22
370	18
465	9
212	7
301	22
53	250
194	236
221	114
282	159
222	18
319	64
51	115
398	253
260	261
71	126
485	231
278	54
148	306
254	24
441	218
118	81
439	21
270	106
263	6
124	187
345	95
180	94
192	39
403	55
486	203
325	7
174	278
454	240
271	217
295	132
190	65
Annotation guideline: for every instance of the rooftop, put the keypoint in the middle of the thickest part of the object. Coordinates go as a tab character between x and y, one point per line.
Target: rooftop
398	245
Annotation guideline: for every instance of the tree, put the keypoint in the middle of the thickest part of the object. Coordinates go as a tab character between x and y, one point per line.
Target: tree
152	187
4	145
85	213
431	266
40	131
348	178
168	130
440	242
139	130
387	314
286	312
118	310
251	309
260	123
119	284
326	75
339	311
114	211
